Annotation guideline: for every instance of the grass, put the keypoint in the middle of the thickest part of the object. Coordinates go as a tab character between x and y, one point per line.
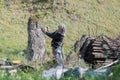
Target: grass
100	16
35	75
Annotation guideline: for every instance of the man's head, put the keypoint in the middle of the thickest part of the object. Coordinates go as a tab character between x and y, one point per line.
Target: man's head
61	28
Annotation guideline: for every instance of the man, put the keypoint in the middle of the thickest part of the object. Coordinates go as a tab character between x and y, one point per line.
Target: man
57	42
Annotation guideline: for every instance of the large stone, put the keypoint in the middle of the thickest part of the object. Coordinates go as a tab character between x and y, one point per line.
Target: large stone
36	41
77	72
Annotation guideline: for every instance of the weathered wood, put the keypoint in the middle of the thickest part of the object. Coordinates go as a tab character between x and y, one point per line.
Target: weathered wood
8	67
98	48
101	51
98	42
36	42
98	55
109	65
96	45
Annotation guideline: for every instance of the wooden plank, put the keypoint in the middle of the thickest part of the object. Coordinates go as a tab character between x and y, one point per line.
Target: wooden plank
99	55
8	67
97	48
97	45
98	51
109	65
95	53
98	42
106	61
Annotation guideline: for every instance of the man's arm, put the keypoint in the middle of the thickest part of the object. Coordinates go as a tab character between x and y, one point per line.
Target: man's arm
51	35
46	31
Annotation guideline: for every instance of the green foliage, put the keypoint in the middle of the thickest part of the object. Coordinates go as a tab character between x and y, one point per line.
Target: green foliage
0	49
69	78
40	14
116	73
1	1
95	77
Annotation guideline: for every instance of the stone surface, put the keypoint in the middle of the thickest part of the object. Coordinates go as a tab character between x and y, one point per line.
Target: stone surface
36	42
78	72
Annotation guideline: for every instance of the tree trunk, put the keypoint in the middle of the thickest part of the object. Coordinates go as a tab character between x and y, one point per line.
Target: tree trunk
36	42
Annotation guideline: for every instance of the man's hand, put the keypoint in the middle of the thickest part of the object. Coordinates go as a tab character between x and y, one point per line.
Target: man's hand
43	30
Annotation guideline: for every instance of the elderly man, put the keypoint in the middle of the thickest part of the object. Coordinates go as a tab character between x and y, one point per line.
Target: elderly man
57	42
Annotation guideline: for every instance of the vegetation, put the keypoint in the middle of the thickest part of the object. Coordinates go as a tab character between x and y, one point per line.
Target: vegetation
80	16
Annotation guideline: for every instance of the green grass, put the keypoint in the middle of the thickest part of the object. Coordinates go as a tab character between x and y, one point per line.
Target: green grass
35	75
100	16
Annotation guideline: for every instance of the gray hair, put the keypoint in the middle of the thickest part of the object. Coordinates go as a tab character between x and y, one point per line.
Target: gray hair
63	26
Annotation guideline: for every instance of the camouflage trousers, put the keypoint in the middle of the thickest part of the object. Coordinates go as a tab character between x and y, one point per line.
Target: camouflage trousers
58	54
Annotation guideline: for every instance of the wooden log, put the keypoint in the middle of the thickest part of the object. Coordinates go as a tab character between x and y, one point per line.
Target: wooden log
97	48
96	45
98	51
105	61
109	65
99	55
8	67
98	42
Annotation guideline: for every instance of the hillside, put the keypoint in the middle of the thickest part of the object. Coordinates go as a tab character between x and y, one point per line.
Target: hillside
80	16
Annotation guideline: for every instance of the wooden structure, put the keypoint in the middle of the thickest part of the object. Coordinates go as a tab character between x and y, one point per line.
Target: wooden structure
99	50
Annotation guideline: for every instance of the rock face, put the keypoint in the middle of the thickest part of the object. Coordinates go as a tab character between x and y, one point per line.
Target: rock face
36	42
